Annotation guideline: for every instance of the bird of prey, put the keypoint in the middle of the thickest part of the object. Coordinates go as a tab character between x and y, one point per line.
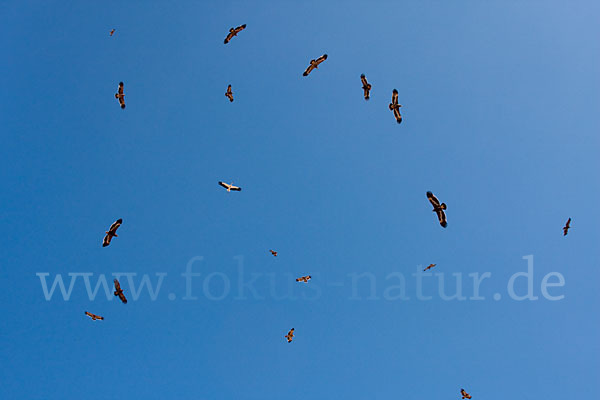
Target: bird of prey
438	208
112	32
119	292
120	95
314	64
290	335
429	267
366	86
395	107
94	316
230	187
229	93
304	279
233	32
111	232
566	227
274	253
464	394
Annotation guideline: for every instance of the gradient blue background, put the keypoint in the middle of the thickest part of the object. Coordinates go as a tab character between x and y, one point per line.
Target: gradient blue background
500	114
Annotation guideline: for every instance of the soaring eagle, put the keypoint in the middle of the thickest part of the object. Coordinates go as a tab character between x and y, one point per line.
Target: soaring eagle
304	279
94	316
566	227
438	208
119	292
464	394
429	267
112	32
120	95
290	335
273	252
366	86
395	107
111	232
314	64
229	93
233	32
230	187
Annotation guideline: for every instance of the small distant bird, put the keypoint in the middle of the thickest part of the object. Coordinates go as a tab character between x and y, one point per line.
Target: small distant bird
304	279
366	86
120	95
119	292
566	227
112	32
464	394
314	64
395	107
229	93
230	187
111	232
233	32
290	335
274	253
429	267
438	208
94	316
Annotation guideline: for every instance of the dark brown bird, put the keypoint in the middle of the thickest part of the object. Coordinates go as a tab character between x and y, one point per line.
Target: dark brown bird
112	32
566	227
290	335
233	32
304	279
395	107
438	208
464	394
314	64
229	93
120	95
429	267
366	86
111	232
274	253
119	292
94	317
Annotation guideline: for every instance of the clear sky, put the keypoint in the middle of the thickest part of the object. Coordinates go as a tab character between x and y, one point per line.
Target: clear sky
500	105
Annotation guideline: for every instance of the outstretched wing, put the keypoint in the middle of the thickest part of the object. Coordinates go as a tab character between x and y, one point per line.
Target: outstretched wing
394	97
236	188
225	185
106	240
228	37
433	200
321	59
240	28
117	285
442	217
363	79
397	115
113	228
122	297
309	69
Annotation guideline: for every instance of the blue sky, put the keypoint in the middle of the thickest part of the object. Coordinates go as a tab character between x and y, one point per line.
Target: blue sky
500	104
